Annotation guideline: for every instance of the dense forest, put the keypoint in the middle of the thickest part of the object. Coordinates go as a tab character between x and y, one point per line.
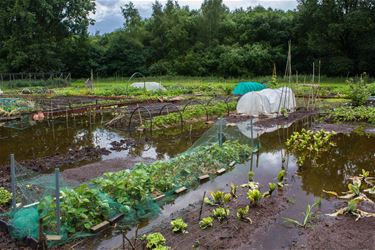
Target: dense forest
44	36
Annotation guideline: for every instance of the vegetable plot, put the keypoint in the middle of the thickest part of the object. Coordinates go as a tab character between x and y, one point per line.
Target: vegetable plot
309	144
197	111
350	114
130	192
134	187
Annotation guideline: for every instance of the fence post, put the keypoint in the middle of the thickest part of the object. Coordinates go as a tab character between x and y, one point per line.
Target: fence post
57	194
252	135
13	180
220	134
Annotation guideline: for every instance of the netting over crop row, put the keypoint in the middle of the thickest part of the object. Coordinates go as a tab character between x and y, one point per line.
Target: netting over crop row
137	194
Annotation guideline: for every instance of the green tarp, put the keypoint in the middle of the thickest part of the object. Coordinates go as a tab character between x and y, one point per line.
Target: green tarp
246	87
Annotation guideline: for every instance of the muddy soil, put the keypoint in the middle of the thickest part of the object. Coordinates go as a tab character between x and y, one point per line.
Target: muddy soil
323	233
338	233
229	234
60	160
48	163
281	120
338	128
94	170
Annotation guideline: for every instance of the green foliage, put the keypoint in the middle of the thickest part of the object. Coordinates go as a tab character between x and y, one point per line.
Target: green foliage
132	187
350	114
233	190
309	144
81	209
196	111
359	92
242	214
206	222
221	213
5	196
218	197
155	241
272	186
251	175
281	175
254	196
178	225
46	36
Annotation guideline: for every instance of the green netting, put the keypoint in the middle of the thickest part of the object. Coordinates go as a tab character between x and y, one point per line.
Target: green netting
246	87
134	193
15	104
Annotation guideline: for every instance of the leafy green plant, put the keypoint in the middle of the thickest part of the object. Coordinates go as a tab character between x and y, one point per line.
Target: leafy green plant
218	197
227	198
206	222
5	196
359	92
309	144
155	241
178	225
254	196
271	188
284	112
352	114
308	215
280	178
242	214
221	213
81	209
233	190
251	175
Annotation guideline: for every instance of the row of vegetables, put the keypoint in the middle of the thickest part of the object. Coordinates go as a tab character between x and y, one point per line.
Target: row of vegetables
193	112
133	192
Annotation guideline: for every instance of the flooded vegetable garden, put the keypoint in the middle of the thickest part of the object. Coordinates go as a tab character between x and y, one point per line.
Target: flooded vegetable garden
124	174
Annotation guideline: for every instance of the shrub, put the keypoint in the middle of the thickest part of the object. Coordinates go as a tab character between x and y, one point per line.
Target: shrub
359	93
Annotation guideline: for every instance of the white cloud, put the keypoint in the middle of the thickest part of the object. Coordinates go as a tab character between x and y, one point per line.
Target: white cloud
108	12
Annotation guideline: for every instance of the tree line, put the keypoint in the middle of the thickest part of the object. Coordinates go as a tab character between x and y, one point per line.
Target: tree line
43	36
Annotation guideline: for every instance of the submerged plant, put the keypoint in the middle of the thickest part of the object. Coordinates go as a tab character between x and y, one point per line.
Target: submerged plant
280	178
242	214
272	186
251	175
254	196
178	225
309	144
206	222
355	195
308	215
221	213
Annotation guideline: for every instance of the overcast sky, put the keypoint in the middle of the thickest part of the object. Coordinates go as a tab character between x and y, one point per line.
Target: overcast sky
108	13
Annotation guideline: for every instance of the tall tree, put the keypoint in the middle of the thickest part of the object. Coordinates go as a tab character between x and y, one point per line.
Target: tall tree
34	32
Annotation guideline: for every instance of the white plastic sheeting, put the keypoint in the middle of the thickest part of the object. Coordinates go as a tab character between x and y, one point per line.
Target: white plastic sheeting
1	92
267	102
150	86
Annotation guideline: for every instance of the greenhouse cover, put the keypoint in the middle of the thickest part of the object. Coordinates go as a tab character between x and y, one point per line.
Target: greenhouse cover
246	87
149	86
267	102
